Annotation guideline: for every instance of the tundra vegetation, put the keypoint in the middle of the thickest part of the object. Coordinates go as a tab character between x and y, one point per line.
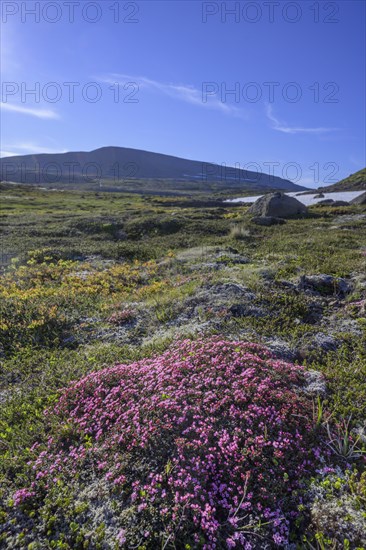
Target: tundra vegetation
174	376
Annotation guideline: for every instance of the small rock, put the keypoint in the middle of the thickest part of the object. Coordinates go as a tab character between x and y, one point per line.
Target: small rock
325	202
231	290
340	519
325	284
313	345
315	383
281	349
243	310
361	433
267	220
70	340
340	203
331	202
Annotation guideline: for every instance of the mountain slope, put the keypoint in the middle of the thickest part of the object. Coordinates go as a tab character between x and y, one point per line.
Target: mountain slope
354	182
112	165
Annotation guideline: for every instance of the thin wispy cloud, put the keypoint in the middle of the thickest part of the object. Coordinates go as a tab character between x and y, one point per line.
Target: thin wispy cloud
27	148
7	154
281	126
31	111
204	97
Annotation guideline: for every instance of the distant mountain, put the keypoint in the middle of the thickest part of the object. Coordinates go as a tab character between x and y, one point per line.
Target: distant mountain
109	166
354	182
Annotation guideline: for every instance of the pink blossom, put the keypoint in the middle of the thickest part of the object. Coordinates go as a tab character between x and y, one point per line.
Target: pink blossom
215	424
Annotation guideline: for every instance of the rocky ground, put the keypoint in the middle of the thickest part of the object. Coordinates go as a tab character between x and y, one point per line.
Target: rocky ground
84	294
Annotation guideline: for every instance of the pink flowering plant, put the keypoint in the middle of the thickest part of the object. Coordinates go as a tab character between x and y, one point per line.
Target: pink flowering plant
205	445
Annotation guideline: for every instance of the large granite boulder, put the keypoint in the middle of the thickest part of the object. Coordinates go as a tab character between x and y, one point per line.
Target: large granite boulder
361	199
277	205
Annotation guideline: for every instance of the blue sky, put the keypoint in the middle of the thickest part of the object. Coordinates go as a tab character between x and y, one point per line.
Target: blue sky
158	75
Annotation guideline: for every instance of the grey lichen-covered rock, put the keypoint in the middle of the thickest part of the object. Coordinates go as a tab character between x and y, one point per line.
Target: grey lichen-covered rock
267	220
281	349
327	285
228	291
312	345
360	432
315	383
340	519
278	205
245	310
361	199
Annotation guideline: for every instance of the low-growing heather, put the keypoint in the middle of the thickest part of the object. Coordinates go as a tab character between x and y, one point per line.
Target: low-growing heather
40	302
204	446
